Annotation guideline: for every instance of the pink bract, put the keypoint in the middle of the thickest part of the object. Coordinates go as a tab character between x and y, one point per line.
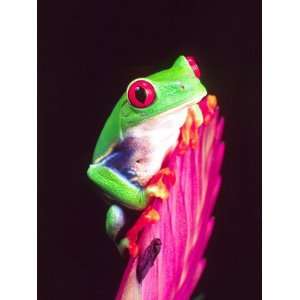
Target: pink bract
185	224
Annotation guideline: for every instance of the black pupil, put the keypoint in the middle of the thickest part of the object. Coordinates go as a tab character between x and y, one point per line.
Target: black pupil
140	94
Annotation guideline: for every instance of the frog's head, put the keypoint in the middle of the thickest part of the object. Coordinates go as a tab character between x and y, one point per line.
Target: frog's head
149	97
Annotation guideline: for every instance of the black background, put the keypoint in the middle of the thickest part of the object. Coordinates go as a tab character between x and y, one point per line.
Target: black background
88	52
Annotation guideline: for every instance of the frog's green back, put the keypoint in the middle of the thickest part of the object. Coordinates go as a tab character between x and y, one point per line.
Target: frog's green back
110	133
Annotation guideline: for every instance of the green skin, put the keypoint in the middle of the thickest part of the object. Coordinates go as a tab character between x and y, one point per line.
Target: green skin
119	146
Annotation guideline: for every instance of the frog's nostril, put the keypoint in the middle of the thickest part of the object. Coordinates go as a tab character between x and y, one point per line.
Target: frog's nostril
192	62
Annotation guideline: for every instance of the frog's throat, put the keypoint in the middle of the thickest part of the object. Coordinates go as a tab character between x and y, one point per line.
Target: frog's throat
154	138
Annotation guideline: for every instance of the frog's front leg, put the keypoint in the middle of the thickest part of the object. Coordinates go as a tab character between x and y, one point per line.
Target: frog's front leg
115	177
158	187
118	186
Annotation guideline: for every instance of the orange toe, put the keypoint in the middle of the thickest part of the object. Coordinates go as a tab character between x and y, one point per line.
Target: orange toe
149	216
133	249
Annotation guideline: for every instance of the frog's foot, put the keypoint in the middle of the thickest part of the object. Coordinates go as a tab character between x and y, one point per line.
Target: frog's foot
208	107
160	184
189	130
158	187
149	216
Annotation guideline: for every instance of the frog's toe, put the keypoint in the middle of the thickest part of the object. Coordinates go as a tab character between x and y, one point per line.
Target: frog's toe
160	184
189	131
130	245
157	190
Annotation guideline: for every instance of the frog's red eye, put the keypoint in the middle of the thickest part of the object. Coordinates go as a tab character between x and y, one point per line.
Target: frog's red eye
192	62
141	93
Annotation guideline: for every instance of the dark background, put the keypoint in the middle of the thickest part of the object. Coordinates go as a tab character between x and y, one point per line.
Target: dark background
88	52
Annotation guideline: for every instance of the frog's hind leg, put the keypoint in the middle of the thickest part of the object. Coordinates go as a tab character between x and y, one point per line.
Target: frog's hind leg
158	187
115	220
148	216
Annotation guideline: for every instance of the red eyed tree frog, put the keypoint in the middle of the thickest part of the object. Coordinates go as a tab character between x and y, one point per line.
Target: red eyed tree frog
142	129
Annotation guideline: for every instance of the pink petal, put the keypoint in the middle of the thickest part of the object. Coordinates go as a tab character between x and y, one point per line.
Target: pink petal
185	225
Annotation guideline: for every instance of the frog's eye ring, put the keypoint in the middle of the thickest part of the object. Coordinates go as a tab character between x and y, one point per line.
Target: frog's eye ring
141	93
192	62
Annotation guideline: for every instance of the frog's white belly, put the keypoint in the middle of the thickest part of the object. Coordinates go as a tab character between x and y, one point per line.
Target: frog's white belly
152	140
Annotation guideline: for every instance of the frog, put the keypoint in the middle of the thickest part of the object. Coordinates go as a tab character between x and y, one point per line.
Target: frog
154	115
